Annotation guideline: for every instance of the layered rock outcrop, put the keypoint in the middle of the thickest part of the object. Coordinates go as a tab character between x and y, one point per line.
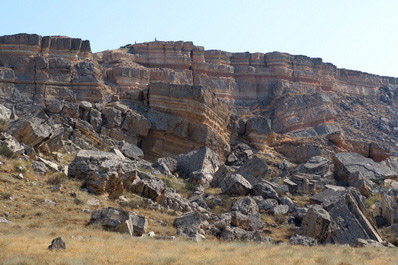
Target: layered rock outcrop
173	97
34	69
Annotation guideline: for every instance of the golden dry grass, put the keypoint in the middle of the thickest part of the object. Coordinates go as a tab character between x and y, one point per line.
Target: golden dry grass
20	244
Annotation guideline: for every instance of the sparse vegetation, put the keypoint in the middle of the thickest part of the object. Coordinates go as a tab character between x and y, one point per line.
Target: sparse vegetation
56	179
190	187
5	195
4	124
6	152
102	247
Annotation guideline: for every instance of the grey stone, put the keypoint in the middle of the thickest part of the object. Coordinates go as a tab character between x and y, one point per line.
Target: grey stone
267	204
236	185
253	169
302	241
329	197
351	165
57	244
372	243
316	223
280	210
30	131
351	220
287	201
389	208
189	225
132	151
166	165
203	160
265	190
239	234
240	154
246	206
246	222
121	221
39	167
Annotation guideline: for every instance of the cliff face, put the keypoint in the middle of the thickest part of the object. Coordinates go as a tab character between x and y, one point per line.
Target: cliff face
35	69
248	77
193	97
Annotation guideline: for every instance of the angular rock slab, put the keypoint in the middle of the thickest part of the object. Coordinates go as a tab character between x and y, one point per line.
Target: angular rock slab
121	221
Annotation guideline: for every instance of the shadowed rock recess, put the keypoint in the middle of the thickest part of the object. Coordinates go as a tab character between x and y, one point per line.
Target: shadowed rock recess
240	146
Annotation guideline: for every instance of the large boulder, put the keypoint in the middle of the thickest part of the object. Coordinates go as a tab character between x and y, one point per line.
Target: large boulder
88	162
132	151
266	190
350	220
317	165
245	214
316	223
189	225
174	201
220	179
203	160
246	206
147	186
236	185
30	131
119	221
102	172
253	169
136	124
349	166
240	154
311	176
329	197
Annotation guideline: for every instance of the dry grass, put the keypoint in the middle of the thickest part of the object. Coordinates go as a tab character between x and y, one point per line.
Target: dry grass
20	244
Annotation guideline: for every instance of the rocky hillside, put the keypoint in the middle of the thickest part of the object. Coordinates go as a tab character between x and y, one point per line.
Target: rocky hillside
236	146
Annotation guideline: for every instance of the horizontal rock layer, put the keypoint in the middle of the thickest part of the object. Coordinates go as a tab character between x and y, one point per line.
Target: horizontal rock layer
35	68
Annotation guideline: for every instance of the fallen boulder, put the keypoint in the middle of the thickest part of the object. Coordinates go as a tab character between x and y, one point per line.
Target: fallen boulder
189	225
121	221
57	244
316	223
351	165
236	185
253	170
203	160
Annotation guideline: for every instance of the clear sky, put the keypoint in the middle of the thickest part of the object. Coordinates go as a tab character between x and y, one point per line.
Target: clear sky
353	34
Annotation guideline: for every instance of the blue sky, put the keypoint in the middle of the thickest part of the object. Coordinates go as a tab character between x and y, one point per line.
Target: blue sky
353	34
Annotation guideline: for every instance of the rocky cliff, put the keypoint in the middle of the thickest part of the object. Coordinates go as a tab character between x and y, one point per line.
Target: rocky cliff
35	69
193	97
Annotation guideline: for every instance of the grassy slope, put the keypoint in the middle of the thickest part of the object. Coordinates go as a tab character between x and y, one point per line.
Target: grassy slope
35	224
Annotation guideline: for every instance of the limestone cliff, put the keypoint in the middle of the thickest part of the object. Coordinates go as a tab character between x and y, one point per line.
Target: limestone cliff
35	69
189	96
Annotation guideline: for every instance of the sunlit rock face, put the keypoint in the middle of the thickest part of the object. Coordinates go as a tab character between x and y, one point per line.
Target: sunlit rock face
188	97
244	80
37	68
185	118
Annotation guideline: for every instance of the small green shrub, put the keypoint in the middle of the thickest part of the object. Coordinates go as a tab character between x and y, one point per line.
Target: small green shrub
7	152
4	124
56	179
190	187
